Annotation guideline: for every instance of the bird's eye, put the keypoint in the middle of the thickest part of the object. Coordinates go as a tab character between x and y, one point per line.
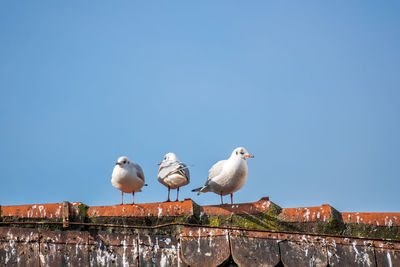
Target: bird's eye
124	162
242	152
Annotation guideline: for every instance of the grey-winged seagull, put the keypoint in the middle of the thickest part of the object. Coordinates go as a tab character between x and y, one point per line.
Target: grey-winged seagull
227	176
173	173
127	177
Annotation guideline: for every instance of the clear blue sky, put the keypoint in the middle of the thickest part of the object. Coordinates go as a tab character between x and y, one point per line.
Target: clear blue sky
311	88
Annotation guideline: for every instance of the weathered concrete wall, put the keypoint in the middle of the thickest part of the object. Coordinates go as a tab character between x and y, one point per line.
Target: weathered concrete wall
32	247
193	247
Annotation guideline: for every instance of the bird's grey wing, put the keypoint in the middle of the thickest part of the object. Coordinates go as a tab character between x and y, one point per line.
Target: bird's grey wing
139	171
184	170
216	169
187	172
166	168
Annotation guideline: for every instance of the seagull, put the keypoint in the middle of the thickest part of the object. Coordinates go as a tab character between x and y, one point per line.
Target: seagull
227	176
173	173
127	177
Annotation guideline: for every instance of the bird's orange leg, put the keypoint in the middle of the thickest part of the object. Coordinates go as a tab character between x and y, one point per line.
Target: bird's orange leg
122	198
232	198
222	202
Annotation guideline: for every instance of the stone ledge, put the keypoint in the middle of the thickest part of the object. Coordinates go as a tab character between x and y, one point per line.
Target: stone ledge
372	218
173	209
241	208
259	215
49	211
307	214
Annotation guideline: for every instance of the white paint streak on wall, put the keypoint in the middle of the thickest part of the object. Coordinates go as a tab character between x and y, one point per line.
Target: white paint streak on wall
198	242
178	250
389	258
124	259
163	260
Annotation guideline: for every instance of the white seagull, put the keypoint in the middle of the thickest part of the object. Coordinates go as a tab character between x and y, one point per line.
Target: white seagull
173	173
127	177
227	176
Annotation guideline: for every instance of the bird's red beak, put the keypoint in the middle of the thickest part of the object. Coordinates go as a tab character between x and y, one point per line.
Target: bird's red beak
159	163
250	156
118	163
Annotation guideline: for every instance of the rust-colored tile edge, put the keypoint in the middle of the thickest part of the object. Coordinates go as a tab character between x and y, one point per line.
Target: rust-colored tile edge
306	214
179	208
387	219
52	210
37	211
241	208
184	208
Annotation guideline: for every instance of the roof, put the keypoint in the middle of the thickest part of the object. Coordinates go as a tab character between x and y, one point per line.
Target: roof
184	233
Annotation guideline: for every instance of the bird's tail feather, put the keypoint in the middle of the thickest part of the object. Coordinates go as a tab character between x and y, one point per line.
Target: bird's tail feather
199	190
